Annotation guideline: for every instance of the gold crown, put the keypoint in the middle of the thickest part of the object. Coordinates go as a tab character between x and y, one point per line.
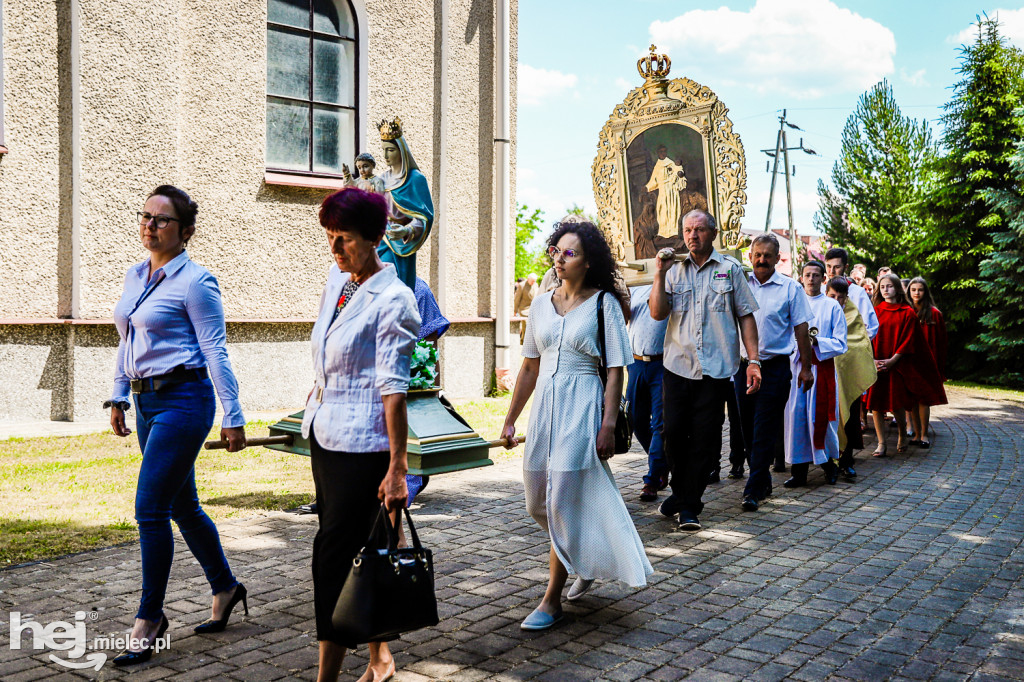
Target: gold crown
390	131
654	66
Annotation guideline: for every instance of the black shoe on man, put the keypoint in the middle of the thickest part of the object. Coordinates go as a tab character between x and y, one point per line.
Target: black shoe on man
715	476
736	473
848	472
749	504
688	521
799	478
831	471
671	506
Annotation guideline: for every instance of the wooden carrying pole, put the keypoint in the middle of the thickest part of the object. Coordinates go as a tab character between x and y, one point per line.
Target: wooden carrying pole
287	440
250	442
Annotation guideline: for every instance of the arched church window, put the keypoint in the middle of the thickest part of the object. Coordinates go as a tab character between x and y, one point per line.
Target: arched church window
312	107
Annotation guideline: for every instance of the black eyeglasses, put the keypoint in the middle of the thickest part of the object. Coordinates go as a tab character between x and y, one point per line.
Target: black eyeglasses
159	221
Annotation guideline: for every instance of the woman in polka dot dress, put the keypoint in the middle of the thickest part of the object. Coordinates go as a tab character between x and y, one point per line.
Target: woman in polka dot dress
570	490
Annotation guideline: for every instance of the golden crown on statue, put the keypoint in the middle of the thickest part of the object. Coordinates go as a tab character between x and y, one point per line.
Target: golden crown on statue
390	130
654	66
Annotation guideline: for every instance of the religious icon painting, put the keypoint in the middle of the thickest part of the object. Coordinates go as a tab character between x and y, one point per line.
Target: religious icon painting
667	178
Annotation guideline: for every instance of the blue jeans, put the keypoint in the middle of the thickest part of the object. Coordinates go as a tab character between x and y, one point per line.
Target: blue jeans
172	424
644	393
761	415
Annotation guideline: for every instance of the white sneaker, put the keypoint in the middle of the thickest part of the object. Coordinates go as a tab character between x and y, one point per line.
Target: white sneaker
579	588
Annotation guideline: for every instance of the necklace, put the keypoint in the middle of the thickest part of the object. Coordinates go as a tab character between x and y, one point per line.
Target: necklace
579	299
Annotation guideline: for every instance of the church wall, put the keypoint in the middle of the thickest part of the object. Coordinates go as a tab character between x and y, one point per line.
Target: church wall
192	113
30	179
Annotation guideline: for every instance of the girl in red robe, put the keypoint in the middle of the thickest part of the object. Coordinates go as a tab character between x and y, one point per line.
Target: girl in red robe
934	329
907	375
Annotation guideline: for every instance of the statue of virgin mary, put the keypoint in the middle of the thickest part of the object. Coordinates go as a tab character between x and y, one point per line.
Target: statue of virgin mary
409	203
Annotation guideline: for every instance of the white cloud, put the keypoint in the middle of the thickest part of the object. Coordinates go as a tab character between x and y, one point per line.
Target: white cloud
624	85
1011	27
801	48
537	85
915	79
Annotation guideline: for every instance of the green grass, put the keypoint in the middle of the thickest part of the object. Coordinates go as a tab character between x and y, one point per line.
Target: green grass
47	482
989	391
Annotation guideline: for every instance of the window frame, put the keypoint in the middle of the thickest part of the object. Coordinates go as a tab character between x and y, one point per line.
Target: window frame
308	178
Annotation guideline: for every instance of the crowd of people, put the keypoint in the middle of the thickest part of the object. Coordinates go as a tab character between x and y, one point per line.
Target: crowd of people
801	365
795	359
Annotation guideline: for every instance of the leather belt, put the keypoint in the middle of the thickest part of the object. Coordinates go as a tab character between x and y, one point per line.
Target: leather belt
178	375
648	358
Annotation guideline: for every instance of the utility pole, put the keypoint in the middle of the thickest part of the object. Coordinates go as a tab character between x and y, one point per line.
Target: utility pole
782	149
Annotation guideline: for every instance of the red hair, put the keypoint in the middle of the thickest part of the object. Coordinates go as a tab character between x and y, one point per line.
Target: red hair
353	210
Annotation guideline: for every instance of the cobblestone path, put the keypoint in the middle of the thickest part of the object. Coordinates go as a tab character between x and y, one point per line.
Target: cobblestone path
915	571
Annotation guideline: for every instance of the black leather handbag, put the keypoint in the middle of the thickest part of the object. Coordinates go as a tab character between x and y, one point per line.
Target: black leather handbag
623	425
388	590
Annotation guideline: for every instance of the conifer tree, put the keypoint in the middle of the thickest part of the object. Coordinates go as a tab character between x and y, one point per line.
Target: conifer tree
1002	273
878	180
978	141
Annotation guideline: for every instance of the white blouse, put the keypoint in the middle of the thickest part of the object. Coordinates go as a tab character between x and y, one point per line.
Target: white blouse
359	358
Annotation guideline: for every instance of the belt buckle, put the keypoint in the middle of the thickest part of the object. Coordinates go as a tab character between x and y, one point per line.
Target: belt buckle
319	394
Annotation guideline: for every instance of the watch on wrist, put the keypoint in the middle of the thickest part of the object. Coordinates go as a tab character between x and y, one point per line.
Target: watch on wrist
754	362
122	405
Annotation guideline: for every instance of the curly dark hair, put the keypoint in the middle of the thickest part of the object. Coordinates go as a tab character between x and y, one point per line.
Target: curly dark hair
602	273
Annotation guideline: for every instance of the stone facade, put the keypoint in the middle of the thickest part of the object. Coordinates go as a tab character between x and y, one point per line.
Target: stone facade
104	100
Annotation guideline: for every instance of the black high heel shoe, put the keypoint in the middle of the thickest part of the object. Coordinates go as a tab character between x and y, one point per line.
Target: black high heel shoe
127	657
218	625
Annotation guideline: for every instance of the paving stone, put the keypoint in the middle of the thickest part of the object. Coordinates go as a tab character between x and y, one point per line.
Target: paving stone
906	574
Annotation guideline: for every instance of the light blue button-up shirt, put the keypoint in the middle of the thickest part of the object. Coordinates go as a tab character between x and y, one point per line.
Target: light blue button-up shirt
782	305
177	318
646	334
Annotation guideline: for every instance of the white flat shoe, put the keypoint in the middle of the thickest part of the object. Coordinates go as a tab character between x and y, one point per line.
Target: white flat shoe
579	588
538	620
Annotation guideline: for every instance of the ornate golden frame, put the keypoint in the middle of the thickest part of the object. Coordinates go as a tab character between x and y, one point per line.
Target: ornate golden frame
656	102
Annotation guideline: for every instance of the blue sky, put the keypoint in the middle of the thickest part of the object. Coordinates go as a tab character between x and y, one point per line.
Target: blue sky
577	60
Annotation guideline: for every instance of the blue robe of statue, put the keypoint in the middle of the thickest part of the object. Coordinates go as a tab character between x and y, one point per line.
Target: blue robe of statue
409	195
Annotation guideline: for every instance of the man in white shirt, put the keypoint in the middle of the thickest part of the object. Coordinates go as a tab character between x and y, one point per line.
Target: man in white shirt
782	318
836	263
644	391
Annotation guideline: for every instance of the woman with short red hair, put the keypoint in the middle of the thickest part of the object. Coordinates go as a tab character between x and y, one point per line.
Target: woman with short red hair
355	415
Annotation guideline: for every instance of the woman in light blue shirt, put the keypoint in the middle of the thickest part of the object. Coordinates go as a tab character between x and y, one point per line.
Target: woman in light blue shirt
171	323
355	415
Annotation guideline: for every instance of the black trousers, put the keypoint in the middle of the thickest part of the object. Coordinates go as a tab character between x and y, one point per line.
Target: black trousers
694	411
854	436
346	506
761	415
739	449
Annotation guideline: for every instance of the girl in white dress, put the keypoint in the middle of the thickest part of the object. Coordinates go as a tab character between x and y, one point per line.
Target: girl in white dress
570	490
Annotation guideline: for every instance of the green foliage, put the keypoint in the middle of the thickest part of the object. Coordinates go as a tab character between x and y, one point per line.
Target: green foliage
529	258
878	180
1002	280
577	210
979	138
423	366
